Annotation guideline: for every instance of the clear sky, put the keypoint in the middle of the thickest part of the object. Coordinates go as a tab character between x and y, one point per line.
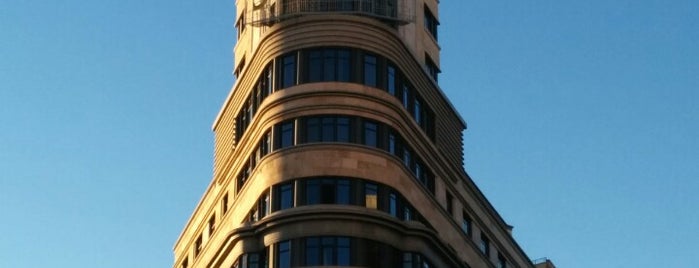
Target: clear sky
583	125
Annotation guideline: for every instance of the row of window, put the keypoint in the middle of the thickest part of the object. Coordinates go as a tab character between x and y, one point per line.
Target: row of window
332	251
338	128
467	229
335	190
335	64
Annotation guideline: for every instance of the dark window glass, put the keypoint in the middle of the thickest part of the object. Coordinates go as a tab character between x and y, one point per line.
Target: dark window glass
431	23
286	133
343	251
315	66
283	259
370	70
417	111
313	129
185	263
284	196
406	97
392	143
343	129
263	205
391	80
484	246
407	260
343	65
343	192
313	192
393	205
502	262
212	224
450	203
224	203
197	245
370	134
312	251
329	64
328	125
268	80
406	157
407	213
289	70
466	224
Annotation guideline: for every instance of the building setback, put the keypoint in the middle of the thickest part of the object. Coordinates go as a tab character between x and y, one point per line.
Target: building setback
336	148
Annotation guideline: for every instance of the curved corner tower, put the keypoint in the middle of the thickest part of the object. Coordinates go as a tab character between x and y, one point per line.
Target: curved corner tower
336	148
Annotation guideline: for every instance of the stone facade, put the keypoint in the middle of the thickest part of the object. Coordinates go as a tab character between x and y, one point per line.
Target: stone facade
365	72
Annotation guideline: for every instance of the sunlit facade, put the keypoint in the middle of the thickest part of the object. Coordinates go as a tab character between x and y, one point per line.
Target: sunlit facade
337	148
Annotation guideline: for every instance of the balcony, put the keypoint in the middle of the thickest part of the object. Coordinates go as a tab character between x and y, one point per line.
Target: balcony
394	12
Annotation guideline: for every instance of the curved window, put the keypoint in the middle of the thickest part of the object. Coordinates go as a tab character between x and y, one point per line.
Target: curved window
336	190
340	251
339	128
338	64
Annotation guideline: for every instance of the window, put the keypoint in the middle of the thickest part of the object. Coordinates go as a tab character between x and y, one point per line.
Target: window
197	245
484	246
327	129
393	204
283	256
240	24
502	262
284	134
212	224
185	263
284	196
450	203
431	22
327	191
432	68
370	133
288	71
224	203
391	80
327	251
370	70
466	224
370	195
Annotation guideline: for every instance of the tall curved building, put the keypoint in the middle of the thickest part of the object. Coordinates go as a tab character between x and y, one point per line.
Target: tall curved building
336	148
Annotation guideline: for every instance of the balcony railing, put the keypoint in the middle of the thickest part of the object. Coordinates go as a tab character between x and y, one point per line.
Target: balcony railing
392	11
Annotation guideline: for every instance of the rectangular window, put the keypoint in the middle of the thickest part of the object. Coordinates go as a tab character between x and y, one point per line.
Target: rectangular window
393	204
198	245
466	224
283	256
224	203
343	129
312	129
327	251
391	80
185	263
502	262
405	94
407	260
284	196
484	245
289	70
431	22
344	67
450	204
417	111
370	195
315	66
263	205
329	64
212	224
370	70
432	68
284	134
370	135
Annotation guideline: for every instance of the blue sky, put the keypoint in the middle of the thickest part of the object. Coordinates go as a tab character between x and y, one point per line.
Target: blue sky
582	125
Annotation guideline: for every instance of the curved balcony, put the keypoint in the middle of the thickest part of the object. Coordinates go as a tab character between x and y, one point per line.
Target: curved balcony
394	12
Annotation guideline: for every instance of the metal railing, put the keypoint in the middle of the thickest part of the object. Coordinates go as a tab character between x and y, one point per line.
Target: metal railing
396	11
